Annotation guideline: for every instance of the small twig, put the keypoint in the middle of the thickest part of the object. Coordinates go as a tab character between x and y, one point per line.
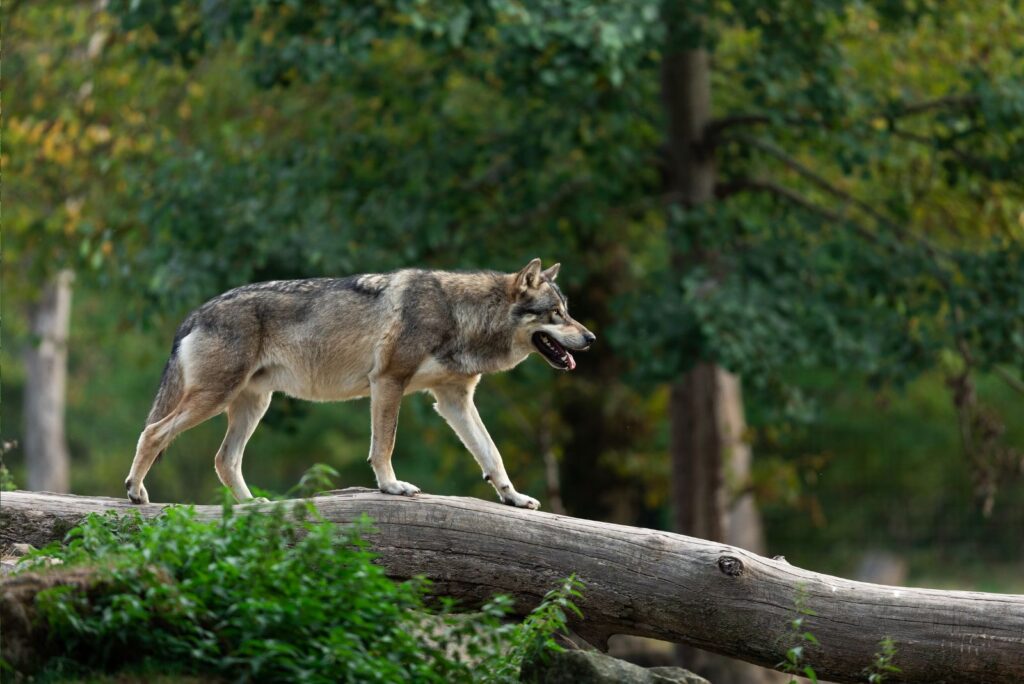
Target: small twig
739	185
818	180
950	101
942	145
717	125
1009	378
761	185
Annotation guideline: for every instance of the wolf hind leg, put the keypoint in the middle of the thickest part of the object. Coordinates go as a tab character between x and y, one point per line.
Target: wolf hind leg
244	414
195	407
385	400
455	404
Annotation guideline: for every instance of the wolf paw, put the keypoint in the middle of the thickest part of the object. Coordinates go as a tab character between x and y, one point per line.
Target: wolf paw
138	496
399	487
520	501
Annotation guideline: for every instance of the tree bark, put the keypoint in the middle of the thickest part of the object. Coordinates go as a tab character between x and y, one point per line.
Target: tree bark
643	582
46	367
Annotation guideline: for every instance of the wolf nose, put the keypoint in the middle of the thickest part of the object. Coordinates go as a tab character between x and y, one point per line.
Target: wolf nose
589	338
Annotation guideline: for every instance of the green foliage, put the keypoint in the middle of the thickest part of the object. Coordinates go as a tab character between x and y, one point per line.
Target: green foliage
796	661
882	469
578	45
881	669
271	595
6	479
319	478
880	288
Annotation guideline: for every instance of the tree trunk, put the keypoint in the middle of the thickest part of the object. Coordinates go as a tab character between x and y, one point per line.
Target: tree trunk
743	526
643	582
697	442
705	407
711	470
46	367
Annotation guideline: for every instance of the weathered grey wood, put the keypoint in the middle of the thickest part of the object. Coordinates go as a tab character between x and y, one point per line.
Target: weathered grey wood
645	582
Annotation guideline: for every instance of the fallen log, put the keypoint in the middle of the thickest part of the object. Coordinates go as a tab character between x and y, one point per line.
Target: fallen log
643	582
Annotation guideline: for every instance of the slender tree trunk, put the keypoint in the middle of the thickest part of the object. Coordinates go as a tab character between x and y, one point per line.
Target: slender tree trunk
696	443
743	526
46	364
551	474
711	459
707	425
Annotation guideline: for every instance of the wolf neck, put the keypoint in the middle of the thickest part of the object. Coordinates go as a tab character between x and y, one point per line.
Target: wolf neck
484	329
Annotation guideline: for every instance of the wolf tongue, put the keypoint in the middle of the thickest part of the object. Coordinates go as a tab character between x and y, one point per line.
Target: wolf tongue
570	360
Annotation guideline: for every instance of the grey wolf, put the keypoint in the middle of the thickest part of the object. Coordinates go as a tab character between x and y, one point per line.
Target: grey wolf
378	335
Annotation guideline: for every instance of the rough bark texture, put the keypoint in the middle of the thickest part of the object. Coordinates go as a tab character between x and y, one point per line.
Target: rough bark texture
46	367
644	582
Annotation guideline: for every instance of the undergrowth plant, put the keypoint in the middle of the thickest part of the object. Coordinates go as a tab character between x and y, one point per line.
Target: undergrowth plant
273	595
797	663
883	666
6	479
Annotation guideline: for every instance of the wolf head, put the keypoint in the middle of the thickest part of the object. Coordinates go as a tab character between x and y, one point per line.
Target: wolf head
542	319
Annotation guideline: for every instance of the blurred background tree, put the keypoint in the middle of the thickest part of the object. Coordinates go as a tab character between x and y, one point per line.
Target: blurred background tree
819	199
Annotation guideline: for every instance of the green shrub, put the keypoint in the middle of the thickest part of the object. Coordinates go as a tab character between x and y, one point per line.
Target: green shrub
270	596
6	479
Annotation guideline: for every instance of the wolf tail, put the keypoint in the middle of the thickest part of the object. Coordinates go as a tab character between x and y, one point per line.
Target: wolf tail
172	388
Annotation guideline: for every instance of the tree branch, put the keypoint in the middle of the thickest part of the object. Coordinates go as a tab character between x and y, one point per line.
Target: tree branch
743	184
819	181
947	101
716	126
1009	378
720	124
939	145
761	185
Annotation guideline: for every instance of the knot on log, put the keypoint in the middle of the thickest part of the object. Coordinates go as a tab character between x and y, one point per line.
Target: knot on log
731	566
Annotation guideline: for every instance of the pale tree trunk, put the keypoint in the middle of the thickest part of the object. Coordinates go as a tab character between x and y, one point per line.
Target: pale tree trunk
707	425
743	526
712	459
46	367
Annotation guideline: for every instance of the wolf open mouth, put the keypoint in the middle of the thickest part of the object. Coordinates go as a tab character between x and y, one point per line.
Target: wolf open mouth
557	355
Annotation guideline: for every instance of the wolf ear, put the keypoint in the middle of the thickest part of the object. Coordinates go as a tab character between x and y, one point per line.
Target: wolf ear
552	272
529	277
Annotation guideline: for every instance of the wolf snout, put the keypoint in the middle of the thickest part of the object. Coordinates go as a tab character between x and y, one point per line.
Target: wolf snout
588	339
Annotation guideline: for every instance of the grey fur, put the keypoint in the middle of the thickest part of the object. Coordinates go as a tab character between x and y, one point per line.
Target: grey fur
332	339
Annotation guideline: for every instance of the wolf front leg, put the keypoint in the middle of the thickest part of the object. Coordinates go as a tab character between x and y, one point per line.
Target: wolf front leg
455	404
385	400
